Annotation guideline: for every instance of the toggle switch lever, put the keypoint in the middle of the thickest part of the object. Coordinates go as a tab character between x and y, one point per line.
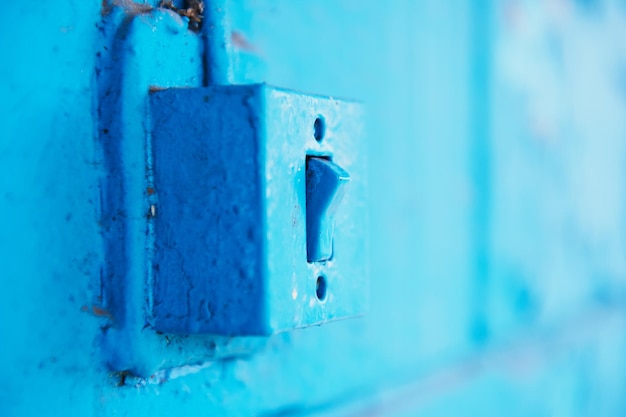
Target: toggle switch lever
325	183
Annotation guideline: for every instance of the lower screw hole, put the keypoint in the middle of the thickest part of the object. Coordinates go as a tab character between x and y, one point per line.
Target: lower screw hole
320	288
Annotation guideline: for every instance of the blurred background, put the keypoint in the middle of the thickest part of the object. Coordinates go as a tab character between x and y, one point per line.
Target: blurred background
496	139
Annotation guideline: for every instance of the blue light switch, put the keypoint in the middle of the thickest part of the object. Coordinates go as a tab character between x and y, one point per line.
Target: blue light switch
325	183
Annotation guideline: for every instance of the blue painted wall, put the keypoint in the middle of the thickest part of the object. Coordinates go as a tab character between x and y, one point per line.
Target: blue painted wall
496	164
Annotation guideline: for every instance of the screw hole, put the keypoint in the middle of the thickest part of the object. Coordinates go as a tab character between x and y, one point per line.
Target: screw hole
319	129
320	288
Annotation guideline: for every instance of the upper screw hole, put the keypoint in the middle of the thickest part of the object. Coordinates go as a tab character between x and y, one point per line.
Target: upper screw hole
319	129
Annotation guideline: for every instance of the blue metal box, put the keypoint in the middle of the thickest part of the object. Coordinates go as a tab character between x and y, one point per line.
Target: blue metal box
229	218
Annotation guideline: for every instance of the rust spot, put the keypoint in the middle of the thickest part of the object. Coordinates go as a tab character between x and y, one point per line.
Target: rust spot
100	312
97	311
150	190
154	88
132	8
239	41
129	7
122	378
105	8
193	11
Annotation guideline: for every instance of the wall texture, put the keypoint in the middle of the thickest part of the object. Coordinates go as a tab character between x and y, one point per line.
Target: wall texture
496	172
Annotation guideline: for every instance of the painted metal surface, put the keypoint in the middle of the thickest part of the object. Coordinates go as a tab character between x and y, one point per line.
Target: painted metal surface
496	173
138	50
233	202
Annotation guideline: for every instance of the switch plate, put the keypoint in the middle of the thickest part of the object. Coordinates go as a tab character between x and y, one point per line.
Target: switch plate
229	218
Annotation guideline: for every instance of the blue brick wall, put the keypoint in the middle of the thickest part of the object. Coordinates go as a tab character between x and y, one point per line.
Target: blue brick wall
496	164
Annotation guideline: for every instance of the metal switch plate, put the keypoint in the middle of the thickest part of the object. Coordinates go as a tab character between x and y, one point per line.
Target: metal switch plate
230	222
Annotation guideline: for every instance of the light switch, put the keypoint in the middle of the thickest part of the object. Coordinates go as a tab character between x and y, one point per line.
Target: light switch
325	183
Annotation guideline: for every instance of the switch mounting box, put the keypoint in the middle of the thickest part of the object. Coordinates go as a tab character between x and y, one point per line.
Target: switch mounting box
229	219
